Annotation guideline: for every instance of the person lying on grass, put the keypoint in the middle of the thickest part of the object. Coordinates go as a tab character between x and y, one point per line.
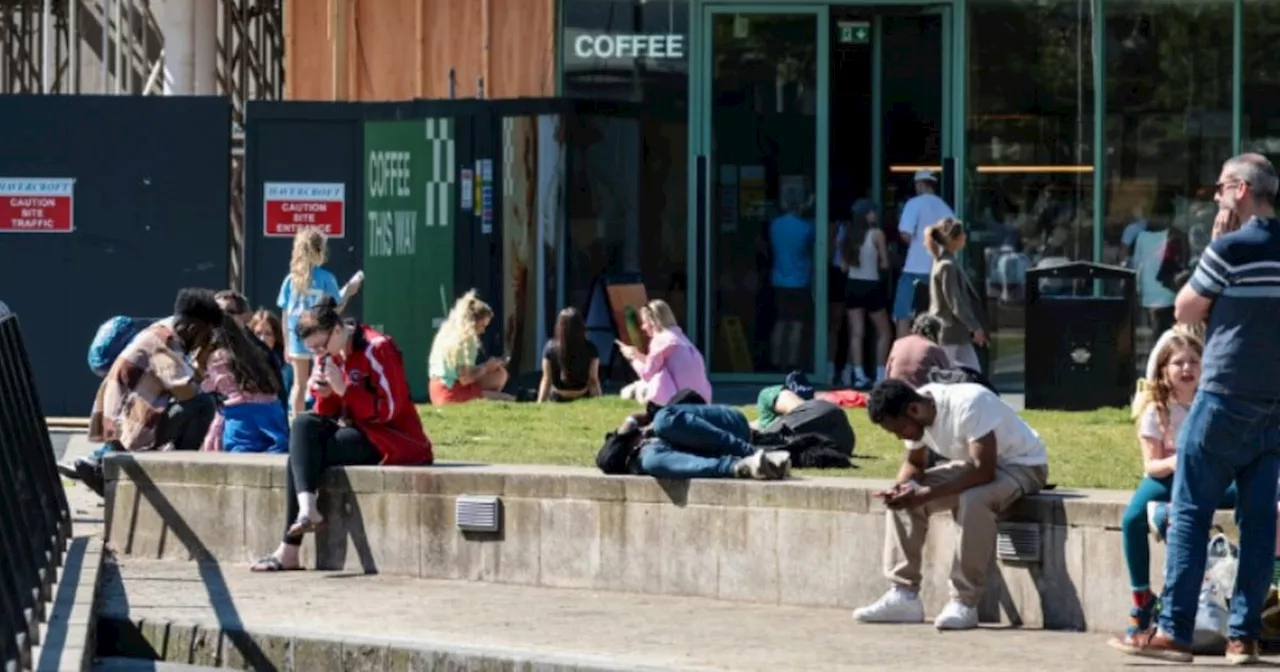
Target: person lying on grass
689	438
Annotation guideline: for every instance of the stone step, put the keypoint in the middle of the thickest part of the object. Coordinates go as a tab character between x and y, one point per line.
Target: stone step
224	615
137	665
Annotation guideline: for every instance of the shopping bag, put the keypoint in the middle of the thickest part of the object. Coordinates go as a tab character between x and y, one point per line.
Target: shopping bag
1210	634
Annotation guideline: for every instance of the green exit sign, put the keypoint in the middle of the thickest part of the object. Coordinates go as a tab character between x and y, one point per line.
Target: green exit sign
854	32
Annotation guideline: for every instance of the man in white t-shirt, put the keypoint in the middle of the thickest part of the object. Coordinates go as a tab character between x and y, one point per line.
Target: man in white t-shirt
992	458
922	210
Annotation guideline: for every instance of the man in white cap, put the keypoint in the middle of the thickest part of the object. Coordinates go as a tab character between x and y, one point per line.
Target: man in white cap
922	210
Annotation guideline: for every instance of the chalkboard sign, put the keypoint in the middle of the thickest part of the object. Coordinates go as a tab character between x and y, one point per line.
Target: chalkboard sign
613	312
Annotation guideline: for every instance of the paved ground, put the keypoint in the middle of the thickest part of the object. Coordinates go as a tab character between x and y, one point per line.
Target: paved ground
666	632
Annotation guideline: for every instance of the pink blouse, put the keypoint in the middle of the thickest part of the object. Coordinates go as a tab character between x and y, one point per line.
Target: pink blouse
672	364
220	380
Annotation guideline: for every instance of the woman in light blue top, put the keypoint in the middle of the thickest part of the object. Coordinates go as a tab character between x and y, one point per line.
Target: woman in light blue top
306	284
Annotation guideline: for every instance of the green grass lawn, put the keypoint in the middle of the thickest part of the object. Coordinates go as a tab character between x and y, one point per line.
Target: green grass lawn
1086	449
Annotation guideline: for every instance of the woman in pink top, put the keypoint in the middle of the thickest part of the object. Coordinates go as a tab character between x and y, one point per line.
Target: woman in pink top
250	417
672	363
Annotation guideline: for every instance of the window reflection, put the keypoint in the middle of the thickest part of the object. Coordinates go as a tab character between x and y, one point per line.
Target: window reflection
628	184
1261	122
533	165
627	206
1168	129
1030	156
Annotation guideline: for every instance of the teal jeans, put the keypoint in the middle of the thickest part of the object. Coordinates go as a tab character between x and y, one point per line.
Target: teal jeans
1134	527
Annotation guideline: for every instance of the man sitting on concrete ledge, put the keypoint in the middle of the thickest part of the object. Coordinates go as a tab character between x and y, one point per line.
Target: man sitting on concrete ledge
150	397
994	459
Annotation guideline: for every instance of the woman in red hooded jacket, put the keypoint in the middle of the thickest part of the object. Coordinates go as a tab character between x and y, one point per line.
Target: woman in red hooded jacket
363	415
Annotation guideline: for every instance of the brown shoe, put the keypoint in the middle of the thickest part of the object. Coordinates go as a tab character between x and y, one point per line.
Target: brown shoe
1242	651
1152	644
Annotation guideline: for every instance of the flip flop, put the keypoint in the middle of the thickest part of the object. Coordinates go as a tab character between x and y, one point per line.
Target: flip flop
303	525
271	564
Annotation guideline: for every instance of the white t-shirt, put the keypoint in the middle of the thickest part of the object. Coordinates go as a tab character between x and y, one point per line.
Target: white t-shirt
1149	426
968	412
921	212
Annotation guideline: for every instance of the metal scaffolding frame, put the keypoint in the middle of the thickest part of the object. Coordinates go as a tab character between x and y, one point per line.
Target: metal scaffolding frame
41	43
35	46
250	67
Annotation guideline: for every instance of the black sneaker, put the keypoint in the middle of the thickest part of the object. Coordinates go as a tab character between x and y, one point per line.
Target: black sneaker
89	473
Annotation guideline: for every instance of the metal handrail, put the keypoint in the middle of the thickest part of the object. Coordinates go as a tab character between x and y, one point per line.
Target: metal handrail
35	521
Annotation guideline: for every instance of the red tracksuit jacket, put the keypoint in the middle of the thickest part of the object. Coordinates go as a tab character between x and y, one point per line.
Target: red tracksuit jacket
377	400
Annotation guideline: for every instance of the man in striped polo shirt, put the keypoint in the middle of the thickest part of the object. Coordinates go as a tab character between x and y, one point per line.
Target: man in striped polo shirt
1232	432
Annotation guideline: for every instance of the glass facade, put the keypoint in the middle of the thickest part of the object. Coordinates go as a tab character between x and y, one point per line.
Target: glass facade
1079	130
628	181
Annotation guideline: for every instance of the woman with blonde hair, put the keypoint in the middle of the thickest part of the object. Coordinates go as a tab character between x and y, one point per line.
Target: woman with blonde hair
307	282
952	298
455	375
672	364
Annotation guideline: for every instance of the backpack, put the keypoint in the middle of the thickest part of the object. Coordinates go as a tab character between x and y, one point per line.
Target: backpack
817	433
959	374
619	456
112	338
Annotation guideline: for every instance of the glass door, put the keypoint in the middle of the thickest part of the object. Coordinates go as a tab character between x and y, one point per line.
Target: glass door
760	99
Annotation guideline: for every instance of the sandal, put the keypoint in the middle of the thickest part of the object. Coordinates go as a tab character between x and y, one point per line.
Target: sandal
271	564
304	525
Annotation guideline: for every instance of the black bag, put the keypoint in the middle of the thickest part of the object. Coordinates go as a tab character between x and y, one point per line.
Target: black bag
618	456
959	374
817	434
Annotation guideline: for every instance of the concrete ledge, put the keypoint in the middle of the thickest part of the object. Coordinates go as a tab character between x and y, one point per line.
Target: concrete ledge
210	647
67	637
806	542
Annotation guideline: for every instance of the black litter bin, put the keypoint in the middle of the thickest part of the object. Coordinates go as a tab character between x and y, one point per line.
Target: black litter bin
1079	351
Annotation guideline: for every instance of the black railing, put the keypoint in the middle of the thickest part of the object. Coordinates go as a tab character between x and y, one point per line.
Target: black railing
35	521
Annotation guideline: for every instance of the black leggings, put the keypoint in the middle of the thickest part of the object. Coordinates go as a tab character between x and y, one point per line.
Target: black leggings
315	444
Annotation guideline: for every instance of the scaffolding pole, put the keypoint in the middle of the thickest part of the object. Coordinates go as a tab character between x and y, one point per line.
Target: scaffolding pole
34	47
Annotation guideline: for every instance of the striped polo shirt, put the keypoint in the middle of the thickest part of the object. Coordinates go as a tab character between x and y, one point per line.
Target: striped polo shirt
1241	273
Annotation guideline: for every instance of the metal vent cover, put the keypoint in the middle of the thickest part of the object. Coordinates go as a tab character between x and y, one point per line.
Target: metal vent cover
478	513
1018	542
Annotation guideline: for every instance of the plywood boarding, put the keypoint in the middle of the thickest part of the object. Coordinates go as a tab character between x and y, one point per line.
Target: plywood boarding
453	37
308	50
523	61
401	49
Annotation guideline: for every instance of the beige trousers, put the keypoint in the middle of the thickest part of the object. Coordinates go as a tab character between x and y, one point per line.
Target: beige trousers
975	511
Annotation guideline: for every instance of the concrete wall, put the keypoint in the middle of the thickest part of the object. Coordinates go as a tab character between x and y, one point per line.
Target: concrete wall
802	542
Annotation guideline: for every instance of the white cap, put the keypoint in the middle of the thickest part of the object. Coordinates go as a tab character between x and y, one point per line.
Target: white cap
924	176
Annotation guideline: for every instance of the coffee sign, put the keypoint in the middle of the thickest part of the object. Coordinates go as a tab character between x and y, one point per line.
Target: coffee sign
609	46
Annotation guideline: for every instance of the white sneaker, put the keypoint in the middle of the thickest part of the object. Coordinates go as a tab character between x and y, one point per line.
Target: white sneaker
956	616
776	465
898	605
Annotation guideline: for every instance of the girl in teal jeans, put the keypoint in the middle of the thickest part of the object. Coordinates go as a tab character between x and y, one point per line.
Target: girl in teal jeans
1160	406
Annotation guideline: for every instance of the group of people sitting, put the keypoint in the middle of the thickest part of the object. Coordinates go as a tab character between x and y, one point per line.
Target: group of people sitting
460	371
200	378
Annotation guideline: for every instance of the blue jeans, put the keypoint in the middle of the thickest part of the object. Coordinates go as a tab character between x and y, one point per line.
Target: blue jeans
255	428
696	441
1223	439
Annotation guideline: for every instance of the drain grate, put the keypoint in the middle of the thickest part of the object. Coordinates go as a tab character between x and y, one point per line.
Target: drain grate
478	513
1018	542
